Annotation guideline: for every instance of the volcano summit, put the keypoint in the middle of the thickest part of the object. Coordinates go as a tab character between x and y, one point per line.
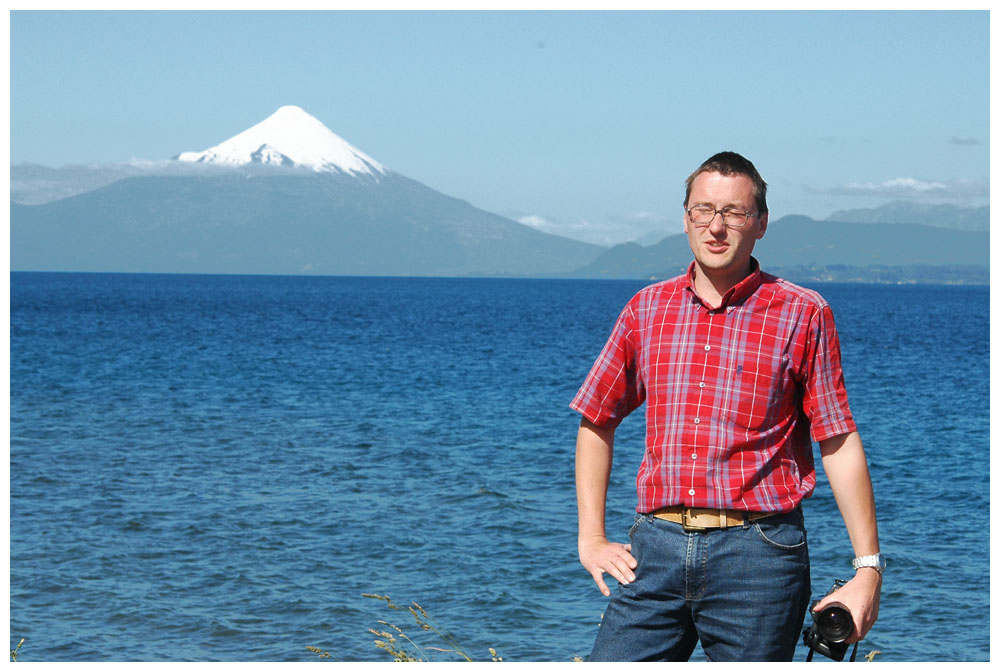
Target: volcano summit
289	137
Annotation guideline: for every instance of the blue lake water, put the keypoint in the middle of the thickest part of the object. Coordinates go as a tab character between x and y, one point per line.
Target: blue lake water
217	468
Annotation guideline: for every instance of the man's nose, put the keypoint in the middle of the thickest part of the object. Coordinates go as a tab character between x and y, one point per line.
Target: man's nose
718	224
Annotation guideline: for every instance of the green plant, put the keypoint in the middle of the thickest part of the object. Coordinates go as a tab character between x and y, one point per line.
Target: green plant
402	647
13	652
318	651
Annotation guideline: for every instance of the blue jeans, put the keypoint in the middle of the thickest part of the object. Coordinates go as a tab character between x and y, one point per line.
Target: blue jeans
743	591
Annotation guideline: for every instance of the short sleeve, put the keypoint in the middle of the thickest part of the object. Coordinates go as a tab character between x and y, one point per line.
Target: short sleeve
613	388
824	398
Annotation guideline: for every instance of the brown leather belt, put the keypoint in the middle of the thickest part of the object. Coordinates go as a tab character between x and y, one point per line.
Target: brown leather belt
697	520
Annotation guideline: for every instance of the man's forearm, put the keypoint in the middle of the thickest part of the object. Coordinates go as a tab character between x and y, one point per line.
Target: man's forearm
594	454
594	450
847	470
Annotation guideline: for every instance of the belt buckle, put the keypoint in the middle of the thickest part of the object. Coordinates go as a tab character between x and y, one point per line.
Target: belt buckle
686	525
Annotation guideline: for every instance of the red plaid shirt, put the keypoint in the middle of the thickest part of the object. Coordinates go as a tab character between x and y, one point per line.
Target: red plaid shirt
733	393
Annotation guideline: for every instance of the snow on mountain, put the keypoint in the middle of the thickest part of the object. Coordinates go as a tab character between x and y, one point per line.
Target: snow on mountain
289	137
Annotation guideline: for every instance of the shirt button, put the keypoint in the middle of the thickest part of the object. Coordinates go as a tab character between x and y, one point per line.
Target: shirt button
694	456
691	491
707	348
701	384
697	420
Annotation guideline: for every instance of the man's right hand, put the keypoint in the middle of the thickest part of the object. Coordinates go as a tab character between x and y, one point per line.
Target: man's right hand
598	555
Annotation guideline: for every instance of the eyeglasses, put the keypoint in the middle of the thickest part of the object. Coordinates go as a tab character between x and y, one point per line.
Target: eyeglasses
702	215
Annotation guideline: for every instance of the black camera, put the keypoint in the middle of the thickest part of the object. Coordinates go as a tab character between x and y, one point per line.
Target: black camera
830	628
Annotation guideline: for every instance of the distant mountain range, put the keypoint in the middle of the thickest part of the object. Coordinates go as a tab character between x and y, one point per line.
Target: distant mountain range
902	212
288	196
801	248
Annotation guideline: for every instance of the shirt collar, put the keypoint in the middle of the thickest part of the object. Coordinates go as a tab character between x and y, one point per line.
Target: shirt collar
739	292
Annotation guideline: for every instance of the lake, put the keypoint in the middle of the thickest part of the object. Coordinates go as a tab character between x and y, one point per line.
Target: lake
209	468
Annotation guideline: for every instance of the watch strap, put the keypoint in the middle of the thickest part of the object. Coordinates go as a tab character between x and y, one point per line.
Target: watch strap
875	561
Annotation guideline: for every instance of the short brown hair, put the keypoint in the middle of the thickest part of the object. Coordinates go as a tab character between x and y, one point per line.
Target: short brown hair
731	163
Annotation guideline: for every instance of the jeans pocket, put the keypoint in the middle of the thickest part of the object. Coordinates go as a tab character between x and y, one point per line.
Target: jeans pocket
638	521
781	534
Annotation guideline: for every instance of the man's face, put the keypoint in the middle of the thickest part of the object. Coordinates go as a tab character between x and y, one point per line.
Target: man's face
719	251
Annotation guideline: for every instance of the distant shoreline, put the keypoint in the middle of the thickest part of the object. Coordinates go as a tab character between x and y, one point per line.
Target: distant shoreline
886	275
970	276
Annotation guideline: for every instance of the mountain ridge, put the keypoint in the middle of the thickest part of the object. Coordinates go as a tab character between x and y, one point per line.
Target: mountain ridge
800	241
940	215
281	222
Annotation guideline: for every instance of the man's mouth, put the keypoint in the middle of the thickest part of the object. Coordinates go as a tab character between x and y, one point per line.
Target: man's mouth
714	246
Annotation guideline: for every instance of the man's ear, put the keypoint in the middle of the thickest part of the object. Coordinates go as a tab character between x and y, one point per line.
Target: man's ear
763	225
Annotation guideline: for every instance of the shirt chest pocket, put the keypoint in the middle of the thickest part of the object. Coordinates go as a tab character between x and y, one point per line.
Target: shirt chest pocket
758	388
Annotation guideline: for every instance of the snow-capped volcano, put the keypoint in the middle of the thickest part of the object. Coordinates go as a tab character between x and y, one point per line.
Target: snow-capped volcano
290	137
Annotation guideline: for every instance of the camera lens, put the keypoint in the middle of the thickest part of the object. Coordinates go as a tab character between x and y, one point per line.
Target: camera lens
835	623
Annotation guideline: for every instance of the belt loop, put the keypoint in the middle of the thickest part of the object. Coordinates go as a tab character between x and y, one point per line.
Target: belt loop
723	519
746	520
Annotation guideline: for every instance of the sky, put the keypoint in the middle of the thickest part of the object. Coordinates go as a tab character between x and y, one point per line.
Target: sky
582	123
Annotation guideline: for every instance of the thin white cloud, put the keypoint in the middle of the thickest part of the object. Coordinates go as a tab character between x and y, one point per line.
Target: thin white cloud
534	221
644	217
894	186
962	191
643	226
964	141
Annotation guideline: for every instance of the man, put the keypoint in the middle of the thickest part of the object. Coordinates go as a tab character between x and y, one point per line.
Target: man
738	370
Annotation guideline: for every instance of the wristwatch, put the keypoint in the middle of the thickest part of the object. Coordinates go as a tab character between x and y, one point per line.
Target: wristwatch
876	562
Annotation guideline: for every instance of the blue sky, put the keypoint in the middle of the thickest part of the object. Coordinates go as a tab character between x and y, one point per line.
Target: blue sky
582	123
